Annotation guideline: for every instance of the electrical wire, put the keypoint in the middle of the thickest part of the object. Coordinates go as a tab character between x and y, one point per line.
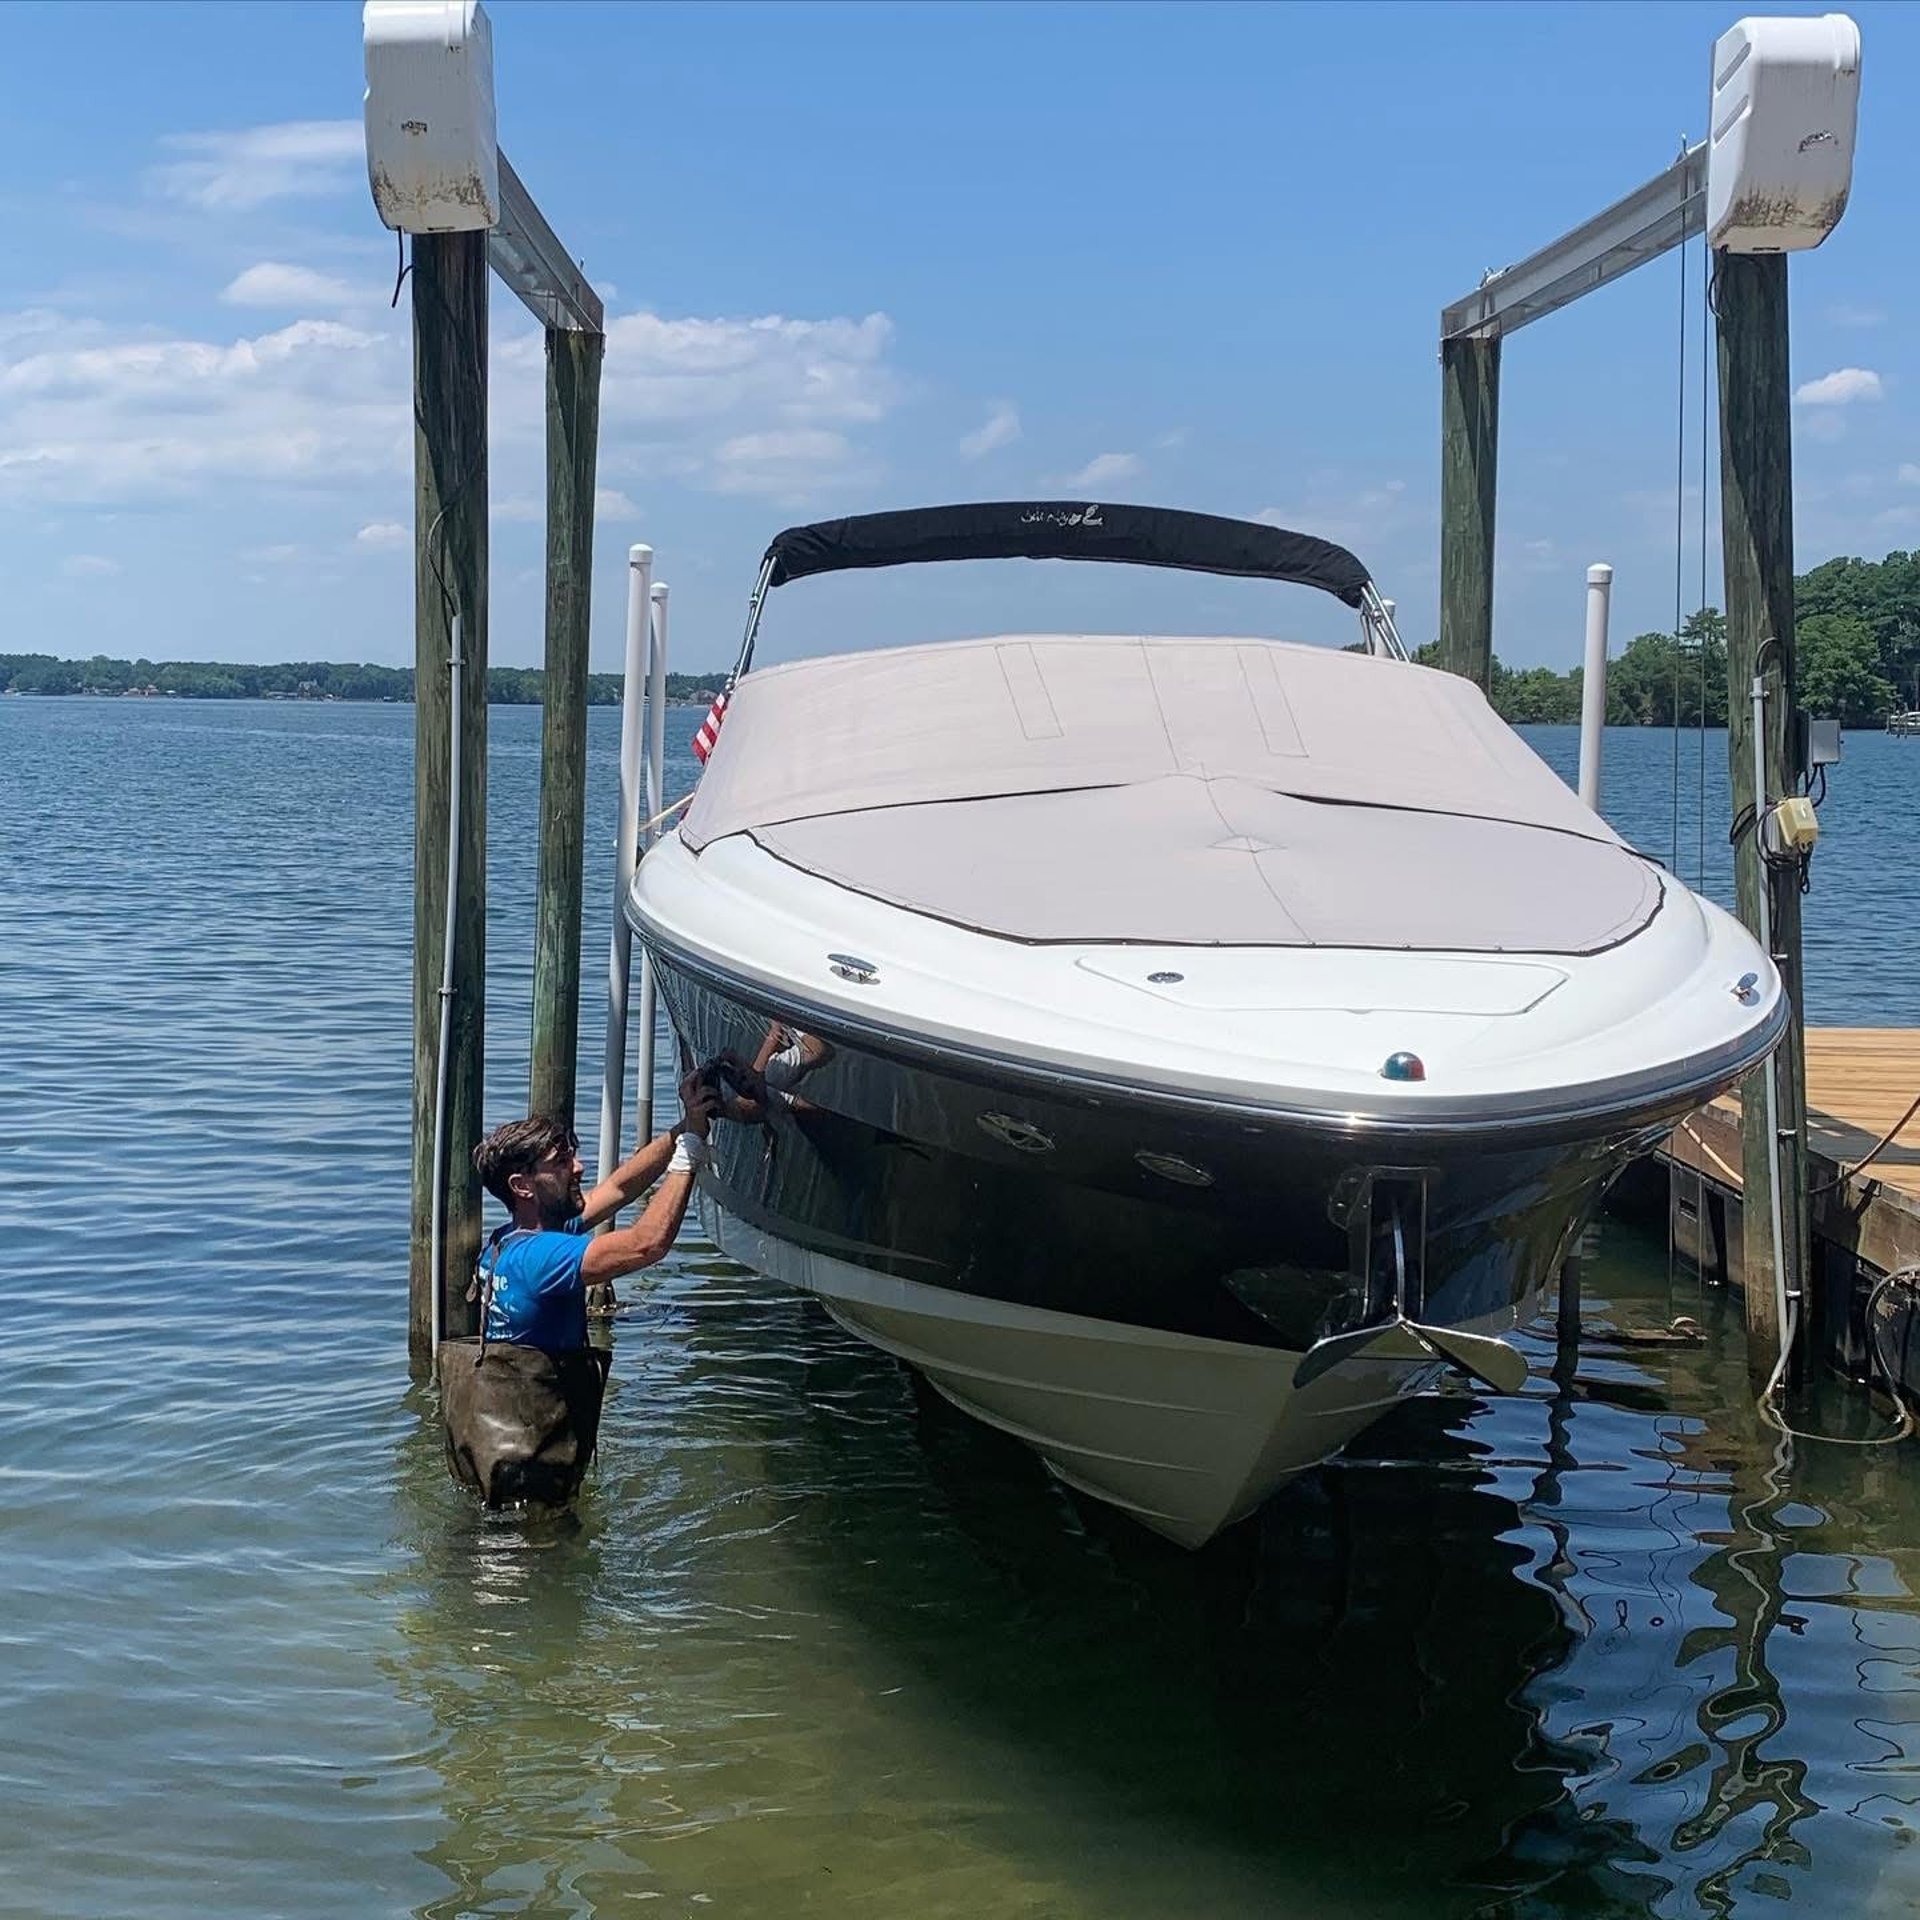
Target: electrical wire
1872	1154
1903	1421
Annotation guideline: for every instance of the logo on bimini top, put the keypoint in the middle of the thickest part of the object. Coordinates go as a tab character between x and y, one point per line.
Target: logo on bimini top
1062	517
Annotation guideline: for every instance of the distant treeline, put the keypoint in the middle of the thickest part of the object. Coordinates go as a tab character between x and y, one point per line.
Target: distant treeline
1857	631
294	680
1857	657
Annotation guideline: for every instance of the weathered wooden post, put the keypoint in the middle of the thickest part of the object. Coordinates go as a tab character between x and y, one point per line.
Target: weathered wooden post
573	425
1469	472
1779	169
450	585
1756	536
437	173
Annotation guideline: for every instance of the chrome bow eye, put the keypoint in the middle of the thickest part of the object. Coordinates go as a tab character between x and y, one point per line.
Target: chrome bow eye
1166	978
1747	989
1021	1135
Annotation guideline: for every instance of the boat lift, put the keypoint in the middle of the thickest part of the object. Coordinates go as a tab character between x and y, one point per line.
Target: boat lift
1772	178
439	179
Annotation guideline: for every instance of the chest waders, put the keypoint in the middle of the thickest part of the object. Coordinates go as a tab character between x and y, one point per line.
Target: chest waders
521	1424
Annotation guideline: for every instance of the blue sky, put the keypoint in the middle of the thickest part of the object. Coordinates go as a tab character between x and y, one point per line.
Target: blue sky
873	256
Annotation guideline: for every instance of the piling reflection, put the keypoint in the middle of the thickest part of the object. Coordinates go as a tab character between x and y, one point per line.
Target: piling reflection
812	1637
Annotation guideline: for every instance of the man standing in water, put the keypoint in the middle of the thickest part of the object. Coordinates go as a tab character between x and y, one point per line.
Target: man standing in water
536	1270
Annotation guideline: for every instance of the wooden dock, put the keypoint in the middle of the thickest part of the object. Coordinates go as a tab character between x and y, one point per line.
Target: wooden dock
1859	1082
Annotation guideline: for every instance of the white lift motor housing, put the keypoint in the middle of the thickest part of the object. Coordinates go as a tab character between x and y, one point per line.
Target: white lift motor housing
1786	101
433	149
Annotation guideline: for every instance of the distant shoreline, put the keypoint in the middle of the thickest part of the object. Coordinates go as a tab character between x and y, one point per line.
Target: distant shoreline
696	705
43	676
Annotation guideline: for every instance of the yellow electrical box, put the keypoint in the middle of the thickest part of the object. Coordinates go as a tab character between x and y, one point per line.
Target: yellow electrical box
1795	823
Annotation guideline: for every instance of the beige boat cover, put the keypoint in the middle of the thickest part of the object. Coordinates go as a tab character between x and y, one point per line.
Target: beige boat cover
1243	792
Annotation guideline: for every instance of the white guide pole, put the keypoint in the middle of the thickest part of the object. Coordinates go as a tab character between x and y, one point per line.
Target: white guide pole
653	784
614	1070
1593	683
436	1254
1783	1289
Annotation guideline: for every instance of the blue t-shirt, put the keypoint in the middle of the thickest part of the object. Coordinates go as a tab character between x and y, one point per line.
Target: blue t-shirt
538	1297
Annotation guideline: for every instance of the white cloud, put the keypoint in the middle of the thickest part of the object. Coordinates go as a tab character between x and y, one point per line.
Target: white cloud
1000	429
1840	388
147	418
273	283
1364	517
235	171
782	465
88	566
1104	468
380	535
609	503
774	406
1845	314
770	405
1909	474
789	372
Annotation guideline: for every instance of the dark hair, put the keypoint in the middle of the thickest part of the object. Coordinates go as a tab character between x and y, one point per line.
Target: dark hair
519	1147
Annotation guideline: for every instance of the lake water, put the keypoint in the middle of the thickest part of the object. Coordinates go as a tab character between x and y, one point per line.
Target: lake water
811	1642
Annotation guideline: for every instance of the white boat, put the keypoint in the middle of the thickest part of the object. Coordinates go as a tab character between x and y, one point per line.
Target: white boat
1177	1048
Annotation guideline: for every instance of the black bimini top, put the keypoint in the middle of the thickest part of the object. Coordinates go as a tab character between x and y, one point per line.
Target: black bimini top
1067	530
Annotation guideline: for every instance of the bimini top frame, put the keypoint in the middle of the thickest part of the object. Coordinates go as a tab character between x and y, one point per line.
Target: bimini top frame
1073	530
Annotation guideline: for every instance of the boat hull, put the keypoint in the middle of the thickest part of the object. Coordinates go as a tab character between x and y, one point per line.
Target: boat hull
1184	1433
1127	1284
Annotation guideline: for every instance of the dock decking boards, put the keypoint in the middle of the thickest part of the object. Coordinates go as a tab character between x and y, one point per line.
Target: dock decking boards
1859	1082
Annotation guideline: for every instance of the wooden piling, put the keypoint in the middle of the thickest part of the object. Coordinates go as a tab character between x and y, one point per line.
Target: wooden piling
450	577
1756	521
573	429
1469	458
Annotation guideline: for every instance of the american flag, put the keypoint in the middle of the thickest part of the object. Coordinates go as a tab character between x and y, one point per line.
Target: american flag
708	737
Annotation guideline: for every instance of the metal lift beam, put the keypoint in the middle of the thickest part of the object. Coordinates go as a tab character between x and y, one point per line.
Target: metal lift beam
1650	221
526	253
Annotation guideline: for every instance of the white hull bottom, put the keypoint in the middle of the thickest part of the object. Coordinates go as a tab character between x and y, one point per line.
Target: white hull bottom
1186	1434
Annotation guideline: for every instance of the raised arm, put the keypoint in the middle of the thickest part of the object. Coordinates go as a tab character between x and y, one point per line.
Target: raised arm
627	1249
633	1177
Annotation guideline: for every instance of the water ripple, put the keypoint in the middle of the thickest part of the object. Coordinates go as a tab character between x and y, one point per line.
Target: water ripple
809	1640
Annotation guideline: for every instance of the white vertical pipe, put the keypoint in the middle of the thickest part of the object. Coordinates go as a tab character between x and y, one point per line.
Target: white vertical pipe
653	783
614	1069
1771	1067
1593	683
437	1248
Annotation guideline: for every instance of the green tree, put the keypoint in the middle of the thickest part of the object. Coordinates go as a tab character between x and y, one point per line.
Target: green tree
1643	682
1537	695
49	676
1838	667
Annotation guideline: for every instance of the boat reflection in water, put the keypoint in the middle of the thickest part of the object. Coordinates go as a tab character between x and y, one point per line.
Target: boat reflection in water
1177	1049
1564	1652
